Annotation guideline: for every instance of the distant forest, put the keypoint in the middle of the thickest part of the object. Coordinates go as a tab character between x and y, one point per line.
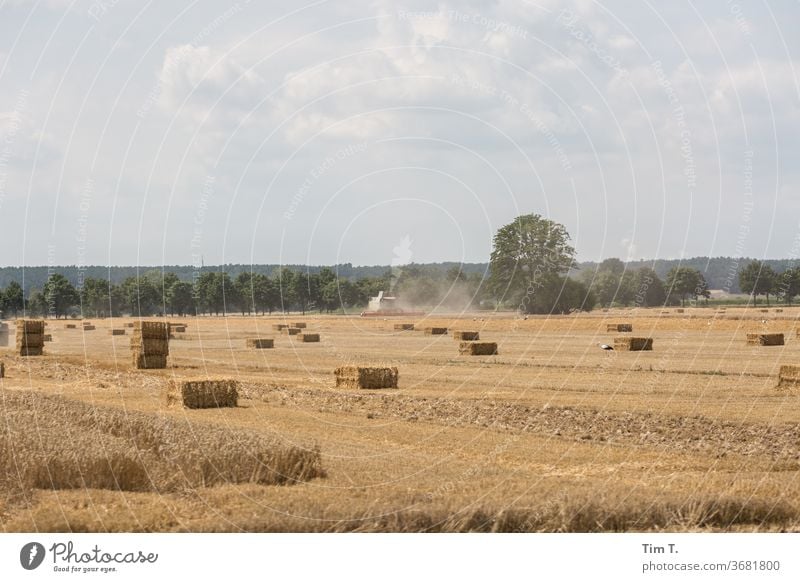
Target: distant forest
719	272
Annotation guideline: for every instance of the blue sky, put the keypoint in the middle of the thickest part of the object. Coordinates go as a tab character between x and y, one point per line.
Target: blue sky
158	133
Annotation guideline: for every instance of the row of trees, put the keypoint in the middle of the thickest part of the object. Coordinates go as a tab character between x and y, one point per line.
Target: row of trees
529	271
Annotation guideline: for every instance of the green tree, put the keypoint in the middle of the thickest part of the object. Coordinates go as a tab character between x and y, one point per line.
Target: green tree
59	295
95	297
649	288
757	279
181	298
216	293
787	284
285	280
684	282
141	296
245	287
529	257
36	304
14	298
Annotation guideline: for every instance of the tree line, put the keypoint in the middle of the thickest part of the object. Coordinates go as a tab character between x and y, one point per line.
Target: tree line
532	270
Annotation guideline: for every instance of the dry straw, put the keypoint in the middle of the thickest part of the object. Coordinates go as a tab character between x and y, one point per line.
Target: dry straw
466	336
633	344
619	327
202	393
261	343
435	331
477	348
366	377
109	448
765	339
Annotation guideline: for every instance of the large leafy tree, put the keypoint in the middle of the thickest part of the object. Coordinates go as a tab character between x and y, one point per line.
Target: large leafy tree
529	259
59	295
756	279
787	284
95	296
181	298
649	288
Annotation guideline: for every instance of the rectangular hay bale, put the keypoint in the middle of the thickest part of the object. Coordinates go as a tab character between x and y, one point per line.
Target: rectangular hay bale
765	339
29	340
151	329
116	332
633	344
70	326
309	337
290	330
150	346
261	343
32	326
466	336
299	325
142	361
2	370
89	328
789	377
202	393
404	327
369	378
435	331
279	326
47	337
619	327
477	348
129	324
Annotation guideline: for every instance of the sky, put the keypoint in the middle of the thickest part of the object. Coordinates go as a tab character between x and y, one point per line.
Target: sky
158	133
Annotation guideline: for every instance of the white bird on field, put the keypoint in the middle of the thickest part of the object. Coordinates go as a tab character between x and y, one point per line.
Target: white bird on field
606	347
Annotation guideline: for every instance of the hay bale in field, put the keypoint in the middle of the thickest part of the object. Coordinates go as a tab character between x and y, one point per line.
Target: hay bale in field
466	336
366	377
435	331
279	326
764	310
30	337
309	337
2	370
679	310
290	330
765	339
477	348
633	344
789	377
150	344
299	325
779	311
261	343
177	329
116	332
619	327
70	326
47	337
202	393
404	327
89	328
129	324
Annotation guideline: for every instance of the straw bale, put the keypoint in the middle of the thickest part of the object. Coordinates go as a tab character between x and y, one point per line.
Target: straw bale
404	327
366	377
789	377
466	336
89	328
30	326
279	326
116	332
70	326
29	340
2	370
128	324
435	331
151	329
150	346
202	393
765	339
299	325
144	361
309	337
477	348
619	327
290	330
633	344
47	337
261	343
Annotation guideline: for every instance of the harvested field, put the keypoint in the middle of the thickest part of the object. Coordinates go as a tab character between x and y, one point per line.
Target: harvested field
466	336
202	393
765	339
789	378
365	377
261	343
552	434
477	348
633	344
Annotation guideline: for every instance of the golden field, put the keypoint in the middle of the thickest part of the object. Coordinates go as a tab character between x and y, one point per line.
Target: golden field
551	434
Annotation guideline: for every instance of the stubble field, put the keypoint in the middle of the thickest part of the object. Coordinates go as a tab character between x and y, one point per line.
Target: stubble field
552	434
